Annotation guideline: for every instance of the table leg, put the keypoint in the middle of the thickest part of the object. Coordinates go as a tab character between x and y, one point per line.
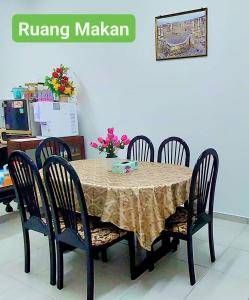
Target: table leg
175	244
151	257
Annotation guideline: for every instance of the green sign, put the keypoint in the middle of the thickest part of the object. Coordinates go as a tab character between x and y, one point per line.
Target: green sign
74	28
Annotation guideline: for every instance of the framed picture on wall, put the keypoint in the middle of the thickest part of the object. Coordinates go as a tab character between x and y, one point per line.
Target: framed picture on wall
182	35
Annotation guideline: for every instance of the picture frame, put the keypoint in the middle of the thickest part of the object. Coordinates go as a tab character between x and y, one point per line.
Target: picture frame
182	35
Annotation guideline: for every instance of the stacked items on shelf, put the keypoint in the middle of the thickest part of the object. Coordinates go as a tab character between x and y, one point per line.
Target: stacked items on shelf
33	92
57	87
38	92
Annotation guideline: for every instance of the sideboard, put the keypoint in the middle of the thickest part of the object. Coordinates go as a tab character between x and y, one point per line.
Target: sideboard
76	144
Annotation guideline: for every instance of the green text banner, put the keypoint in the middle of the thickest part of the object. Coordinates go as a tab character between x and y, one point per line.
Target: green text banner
74	28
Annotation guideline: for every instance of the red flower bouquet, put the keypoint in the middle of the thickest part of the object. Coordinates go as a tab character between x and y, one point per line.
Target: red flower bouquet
111	143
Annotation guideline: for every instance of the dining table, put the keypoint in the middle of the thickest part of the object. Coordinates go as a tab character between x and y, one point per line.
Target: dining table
139	201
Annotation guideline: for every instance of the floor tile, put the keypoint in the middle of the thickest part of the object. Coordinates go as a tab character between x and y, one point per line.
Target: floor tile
108	284
225	279
224	232
242	240
11	248
9	224
201	252
170	278
39	261
234	262
3	207
219	286
247	227
23	292
7	282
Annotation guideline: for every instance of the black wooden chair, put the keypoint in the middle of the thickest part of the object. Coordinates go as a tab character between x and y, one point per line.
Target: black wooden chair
174	150
34	215
51	146
71	220
141	149
199	212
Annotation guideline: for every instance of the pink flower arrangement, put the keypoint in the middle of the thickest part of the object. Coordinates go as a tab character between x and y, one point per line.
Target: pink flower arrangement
111	143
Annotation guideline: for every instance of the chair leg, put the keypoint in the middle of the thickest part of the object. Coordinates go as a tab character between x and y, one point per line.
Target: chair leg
52	261
90	276
191	261
59	250
26	250
211	241
131	244
104	255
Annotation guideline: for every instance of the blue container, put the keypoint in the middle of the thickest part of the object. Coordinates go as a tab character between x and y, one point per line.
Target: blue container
18	92
2	176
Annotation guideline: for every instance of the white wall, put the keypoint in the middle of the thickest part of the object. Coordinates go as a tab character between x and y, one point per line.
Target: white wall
203	100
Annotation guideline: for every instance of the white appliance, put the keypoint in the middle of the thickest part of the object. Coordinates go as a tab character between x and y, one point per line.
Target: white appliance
57	119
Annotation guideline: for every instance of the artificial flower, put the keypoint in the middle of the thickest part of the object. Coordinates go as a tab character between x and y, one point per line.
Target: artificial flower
111	143
100	139
94	145
57	86
55	75
67	90
62	88
110	130
54	81
117	143
59	70
110	136
59	82
124	137
107	140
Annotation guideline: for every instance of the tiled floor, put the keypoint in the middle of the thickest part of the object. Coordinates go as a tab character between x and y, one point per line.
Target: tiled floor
227	278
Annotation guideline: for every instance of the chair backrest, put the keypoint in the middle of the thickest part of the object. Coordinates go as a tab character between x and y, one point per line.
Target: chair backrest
203	183
141	149
30	191
51	146
174	150
67	201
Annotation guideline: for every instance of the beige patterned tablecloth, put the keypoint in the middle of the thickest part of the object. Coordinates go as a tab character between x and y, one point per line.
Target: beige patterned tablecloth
139	201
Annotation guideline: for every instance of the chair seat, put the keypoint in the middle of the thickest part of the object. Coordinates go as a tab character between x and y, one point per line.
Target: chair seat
104	235
101	233
178	221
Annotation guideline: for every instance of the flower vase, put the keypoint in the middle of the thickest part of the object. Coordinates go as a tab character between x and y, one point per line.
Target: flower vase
110	161
63	98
